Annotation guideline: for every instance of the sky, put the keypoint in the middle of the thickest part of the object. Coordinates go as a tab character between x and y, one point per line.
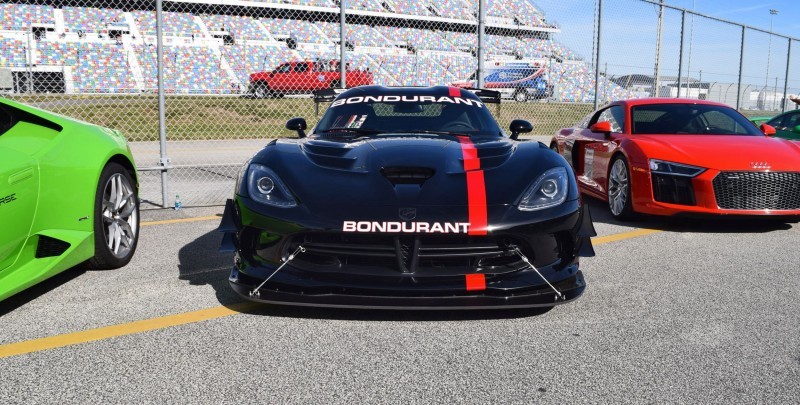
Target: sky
629	37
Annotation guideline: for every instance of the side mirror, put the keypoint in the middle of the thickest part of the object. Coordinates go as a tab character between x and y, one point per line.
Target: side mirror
297	124
519	127
768	130
796	129
603	127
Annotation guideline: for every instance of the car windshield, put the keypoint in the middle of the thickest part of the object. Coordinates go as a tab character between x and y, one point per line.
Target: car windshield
375	115
681	119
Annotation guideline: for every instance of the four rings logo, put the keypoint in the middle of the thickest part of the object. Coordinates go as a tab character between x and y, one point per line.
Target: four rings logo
760	165
7	199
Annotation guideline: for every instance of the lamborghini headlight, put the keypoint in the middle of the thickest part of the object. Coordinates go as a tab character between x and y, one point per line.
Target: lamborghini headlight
674	169
266	187
549	190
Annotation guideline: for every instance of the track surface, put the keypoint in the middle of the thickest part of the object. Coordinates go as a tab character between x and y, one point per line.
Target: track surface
701	312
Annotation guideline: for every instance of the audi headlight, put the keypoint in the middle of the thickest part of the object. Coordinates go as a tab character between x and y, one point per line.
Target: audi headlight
674	169
266	187
549	190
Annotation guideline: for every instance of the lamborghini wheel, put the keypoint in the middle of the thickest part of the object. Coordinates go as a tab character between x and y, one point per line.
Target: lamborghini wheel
619	189
116	219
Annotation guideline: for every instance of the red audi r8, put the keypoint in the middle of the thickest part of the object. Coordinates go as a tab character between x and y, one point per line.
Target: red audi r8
668	156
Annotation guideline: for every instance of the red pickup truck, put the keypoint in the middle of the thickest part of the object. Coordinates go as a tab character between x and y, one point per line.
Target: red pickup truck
304	77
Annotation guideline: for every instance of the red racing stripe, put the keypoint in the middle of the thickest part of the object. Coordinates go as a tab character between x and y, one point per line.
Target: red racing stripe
469	153
476	282
454	91
476	188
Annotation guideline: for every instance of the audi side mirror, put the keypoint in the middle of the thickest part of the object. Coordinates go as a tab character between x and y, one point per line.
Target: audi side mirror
602	127
767	129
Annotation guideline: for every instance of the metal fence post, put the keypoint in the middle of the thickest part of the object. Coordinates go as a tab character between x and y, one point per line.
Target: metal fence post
786	78
741	67
162	120
680	54
342	41
481	41
657	85
597	56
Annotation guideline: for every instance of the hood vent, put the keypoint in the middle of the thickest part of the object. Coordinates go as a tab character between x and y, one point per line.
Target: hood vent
407	175
329	154
494	154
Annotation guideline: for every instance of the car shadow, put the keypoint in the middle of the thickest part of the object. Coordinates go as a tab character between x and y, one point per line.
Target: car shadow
200	263
706	224
24	297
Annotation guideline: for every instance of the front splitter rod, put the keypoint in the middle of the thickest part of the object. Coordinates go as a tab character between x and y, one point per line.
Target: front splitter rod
559	296
300	249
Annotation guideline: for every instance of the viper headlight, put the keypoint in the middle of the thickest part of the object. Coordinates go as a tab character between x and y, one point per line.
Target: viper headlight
549	190
266	187
674	169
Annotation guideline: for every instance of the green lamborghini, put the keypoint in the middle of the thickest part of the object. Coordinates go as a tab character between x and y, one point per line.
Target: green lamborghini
68	195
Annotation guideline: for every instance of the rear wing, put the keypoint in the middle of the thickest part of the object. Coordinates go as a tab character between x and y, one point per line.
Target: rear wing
487	96
324	96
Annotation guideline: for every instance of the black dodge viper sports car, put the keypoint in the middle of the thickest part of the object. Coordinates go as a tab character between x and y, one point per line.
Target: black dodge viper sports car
407	198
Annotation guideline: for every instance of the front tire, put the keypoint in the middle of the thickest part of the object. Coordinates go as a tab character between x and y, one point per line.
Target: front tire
619	189
116	218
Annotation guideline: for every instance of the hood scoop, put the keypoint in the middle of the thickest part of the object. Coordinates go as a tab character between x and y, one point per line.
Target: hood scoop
329	154
494	154
407	175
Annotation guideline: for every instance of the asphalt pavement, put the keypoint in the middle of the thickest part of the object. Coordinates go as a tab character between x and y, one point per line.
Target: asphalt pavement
699	312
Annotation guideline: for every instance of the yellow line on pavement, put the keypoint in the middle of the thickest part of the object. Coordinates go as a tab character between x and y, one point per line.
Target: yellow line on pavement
599	240
69	339
179	220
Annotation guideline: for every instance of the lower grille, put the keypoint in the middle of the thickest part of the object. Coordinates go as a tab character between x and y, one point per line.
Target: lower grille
414	255
673	189
757	190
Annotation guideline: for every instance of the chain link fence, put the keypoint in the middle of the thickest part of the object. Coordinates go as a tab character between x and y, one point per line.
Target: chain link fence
235	72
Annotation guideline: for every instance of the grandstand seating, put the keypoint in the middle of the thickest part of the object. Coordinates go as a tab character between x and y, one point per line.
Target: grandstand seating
12	52
175	24
357	34
200	65
242	28
301	31
187	69
91	19
420	39
19	17
246	59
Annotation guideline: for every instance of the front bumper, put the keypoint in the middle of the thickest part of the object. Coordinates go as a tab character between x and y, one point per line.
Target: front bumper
363	271
290	287
707	201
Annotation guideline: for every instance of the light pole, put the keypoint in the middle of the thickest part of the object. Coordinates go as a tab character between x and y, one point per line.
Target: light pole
772	13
